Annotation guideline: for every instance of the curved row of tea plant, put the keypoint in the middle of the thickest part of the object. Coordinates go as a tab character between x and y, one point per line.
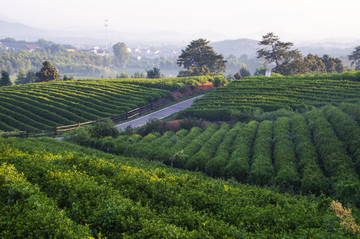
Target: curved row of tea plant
45	105
54	189
28	212
297	154
348	76
243	98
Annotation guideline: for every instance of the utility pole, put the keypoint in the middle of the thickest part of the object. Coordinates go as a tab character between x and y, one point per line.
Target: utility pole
106	27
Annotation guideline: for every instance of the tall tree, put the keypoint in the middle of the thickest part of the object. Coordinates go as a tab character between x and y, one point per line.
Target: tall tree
260	71
278	52
329	64
5	78
47	72
121	53
333	65
31	77
20	78
339	67
200	59
293	64
354	57
244	71
139	75
237	76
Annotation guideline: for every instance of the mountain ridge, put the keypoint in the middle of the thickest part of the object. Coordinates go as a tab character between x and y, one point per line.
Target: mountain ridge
226	47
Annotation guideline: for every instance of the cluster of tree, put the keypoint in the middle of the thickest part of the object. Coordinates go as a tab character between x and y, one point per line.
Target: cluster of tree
123	58
243	72
326	64
29	77
41	42
161	62
65	61
47	73
125	75
289	61
233	63
198	59
154	73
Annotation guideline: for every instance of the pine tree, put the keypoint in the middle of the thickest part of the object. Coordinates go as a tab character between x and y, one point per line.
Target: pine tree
47	72
354	57
21	78
244	71
5	78
200	59
280	53
238	76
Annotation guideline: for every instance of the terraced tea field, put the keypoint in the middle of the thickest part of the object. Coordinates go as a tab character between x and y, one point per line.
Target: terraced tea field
45	105
318	152
251	94
56	189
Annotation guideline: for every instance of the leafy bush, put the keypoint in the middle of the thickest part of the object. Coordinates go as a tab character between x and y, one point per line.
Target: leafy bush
80	136
153	125
103	129
28	212
87	136
189	122
219	80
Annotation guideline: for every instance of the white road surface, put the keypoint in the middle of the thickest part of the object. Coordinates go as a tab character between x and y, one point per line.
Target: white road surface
160	114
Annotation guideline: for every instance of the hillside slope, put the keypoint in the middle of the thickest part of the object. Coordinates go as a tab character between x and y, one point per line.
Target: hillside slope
253	95
46	105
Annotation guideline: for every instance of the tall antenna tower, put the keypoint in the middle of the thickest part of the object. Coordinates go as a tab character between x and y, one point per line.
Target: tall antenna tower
106	27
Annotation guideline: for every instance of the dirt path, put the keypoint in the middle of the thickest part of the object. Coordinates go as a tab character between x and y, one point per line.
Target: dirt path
160	114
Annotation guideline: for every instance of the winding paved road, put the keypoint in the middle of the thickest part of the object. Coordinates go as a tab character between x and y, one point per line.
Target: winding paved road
160	114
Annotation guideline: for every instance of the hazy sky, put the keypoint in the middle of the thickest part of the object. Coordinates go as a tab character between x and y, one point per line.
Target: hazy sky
294	19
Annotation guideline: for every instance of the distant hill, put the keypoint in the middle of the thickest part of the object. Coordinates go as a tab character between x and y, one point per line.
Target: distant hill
332	51
236	47
21	31
85	36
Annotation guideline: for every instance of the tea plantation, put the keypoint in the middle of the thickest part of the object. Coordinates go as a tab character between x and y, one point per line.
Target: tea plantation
54	189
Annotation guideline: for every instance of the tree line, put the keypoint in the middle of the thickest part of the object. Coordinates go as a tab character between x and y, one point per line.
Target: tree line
47	73
289	61
69	62
200	59
197	59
